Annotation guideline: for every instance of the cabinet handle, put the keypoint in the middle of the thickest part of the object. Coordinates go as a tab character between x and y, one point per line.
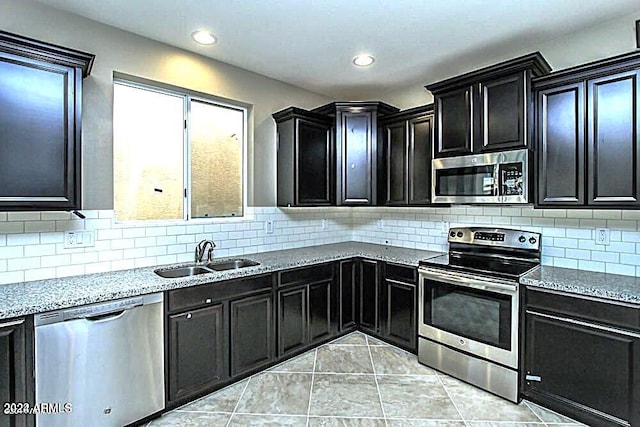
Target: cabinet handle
12	323
189	315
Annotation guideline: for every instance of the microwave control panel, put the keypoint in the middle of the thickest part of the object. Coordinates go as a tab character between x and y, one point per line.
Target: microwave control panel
511	179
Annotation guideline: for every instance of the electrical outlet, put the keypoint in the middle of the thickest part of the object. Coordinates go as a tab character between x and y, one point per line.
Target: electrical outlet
325	224
602	236
79	239
381	223
268	227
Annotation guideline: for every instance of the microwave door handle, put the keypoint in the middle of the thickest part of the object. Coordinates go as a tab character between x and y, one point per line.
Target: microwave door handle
496	183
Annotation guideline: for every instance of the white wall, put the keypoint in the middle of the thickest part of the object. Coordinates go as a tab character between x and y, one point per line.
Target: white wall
607	39
117	50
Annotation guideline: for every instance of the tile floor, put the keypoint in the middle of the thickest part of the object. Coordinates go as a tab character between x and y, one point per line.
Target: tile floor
356	380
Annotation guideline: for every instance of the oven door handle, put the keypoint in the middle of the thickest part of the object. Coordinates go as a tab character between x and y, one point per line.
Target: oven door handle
470	282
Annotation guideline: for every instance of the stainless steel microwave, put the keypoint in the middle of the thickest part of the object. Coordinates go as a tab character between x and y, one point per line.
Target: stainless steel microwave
500	177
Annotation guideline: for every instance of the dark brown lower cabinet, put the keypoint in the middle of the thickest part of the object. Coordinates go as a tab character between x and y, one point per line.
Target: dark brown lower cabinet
400	314
304	316
319	311
198	351
347	284
292	320
588	370
369	292
16	374
252	333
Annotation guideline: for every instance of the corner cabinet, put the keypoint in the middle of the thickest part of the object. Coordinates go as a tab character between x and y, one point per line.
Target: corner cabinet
405	152
486	110
356	136
305	158
582	357
40	124
599	167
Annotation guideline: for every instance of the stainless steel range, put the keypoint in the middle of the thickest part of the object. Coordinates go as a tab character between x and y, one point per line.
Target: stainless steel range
469	303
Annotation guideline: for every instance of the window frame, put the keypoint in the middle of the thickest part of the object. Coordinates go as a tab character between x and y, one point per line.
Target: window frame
188	96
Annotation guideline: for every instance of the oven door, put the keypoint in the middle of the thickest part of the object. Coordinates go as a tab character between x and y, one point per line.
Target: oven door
466	179
469	313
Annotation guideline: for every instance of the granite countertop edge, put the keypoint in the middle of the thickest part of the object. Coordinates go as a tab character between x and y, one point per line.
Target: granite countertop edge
613	287
26	298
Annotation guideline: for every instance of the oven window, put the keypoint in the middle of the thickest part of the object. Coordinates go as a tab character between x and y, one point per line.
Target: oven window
465	181
474	314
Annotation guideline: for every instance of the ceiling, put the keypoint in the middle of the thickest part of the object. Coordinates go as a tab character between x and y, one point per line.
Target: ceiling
311	43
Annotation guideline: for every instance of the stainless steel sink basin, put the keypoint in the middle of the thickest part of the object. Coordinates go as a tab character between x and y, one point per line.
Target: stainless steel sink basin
194	270
232	264
172	273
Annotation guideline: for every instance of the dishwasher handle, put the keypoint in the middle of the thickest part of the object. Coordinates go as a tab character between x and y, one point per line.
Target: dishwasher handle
105	316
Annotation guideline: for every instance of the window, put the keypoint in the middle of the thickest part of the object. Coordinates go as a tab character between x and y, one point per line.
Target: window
176	156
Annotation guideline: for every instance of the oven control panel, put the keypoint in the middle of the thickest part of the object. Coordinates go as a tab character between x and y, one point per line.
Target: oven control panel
502	237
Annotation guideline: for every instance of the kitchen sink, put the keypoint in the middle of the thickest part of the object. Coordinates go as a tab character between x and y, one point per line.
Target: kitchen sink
172	273
232	264
194	270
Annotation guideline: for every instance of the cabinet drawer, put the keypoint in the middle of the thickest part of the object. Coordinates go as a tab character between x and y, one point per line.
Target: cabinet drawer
305	275
209	293
401	273
606	312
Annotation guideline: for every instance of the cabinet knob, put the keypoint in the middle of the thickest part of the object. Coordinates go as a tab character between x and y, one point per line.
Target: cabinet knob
353	165
189	316
208	301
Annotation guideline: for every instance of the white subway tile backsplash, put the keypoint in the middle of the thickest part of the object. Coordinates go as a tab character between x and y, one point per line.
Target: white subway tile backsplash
23	216
23	239
11	227
567	236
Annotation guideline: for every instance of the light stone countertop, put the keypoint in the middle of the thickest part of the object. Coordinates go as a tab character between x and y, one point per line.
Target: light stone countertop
613	287
20	299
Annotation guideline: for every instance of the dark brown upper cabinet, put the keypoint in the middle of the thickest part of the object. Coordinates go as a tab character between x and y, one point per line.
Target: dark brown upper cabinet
404	165
587	129
487	109
305	158
40	124
356	127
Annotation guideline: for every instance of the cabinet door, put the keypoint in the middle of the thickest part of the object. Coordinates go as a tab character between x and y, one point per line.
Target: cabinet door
16	360
292	320
453	123
313	168
400	314
252	333
420	148
589	372
319	311
348	295
561	156
369	295
197	351
502	114
396	152
614	148
357	153
39	139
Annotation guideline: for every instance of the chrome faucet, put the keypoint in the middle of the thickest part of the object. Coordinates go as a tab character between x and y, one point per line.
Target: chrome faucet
201	247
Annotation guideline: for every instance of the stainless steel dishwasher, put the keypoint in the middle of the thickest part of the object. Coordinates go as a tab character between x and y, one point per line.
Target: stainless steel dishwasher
101	364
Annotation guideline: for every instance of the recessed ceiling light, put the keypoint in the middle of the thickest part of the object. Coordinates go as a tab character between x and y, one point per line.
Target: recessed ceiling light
363	60
203	37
